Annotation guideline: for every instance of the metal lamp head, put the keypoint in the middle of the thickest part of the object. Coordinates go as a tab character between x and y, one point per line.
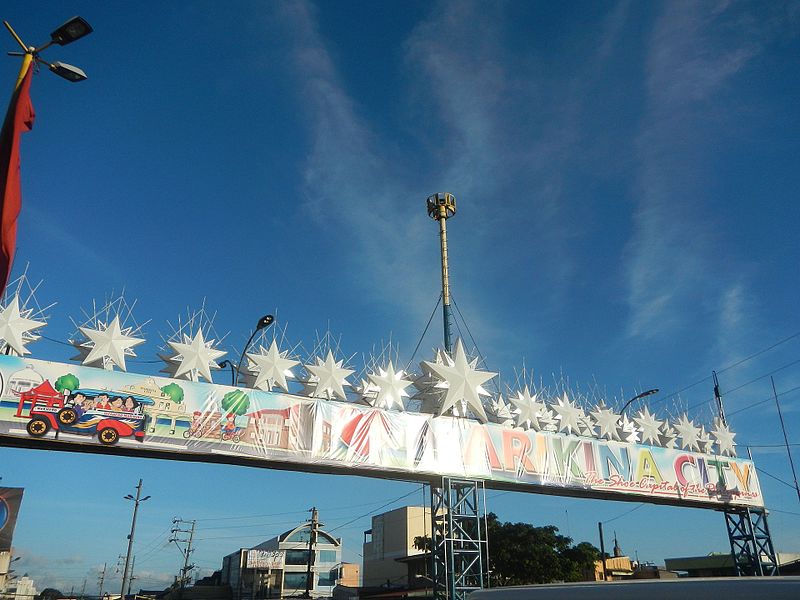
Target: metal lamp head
264	321
68	72
72	30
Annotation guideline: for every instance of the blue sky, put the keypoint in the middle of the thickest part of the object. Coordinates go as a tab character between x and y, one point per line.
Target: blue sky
626	175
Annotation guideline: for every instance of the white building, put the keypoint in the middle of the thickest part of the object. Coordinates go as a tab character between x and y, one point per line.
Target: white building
328	569
389	541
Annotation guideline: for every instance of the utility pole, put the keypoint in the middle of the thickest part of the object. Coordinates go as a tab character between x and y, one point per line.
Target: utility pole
442	206
718	398
131	577
785	438
312	545
184	545
603	550
101	581
136	501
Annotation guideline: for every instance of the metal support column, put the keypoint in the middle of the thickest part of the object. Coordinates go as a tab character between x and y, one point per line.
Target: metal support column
458	539
751	544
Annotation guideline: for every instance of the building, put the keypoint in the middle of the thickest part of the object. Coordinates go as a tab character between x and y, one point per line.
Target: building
720	564
389	543
278	567
620	567
21	589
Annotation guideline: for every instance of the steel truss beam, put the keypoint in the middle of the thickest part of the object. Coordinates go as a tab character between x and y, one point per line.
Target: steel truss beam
458	541
751	543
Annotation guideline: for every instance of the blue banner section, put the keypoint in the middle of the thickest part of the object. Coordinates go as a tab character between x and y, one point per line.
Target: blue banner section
10	499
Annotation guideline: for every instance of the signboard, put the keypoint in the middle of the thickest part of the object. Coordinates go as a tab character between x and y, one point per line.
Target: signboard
76	407
10	499
265	559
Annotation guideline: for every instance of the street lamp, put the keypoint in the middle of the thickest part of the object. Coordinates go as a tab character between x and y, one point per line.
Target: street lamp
72	30
639	397
262	323
136	501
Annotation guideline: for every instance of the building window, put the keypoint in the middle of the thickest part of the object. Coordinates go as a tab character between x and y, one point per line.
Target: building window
297	557
294	581
327	579
327	556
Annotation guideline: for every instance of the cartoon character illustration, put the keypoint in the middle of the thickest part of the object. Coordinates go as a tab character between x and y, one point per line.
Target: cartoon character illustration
88	412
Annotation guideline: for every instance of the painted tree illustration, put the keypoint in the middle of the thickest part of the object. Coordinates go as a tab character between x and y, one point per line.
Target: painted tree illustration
174	391
236	402
67	382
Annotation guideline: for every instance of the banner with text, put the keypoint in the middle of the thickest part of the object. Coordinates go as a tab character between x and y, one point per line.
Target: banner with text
72	404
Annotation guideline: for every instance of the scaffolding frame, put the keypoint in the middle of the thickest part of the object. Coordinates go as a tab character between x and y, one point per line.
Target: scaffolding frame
751	543
458	538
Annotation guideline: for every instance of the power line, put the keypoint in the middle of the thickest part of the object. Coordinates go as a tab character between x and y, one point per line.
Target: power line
727	368
627	512
778	479
760	402
373	511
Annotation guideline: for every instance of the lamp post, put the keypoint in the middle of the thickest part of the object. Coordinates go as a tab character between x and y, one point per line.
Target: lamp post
72	30
136	501
639	397
262	323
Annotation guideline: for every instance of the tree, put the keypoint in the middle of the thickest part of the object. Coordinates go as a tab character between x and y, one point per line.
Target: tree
174	391
236	402
520	553
49	594
67	382
423	543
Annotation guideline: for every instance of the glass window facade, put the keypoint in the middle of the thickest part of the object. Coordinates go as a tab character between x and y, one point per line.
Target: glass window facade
297	557
327	556
294	581
299	536
327	579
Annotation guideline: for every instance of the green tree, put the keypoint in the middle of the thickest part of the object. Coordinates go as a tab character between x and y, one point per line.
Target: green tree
174	391
236	401
67	382
422	542
520	554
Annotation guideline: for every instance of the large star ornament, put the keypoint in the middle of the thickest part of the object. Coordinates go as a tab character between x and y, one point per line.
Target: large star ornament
195	357
607	422
109	344
16	327
271	368
463	383
568	414
688	432
724	438
391	387
330	378
649	426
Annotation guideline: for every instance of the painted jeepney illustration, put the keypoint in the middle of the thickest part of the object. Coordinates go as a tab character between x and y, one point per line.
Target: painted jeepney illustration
109	415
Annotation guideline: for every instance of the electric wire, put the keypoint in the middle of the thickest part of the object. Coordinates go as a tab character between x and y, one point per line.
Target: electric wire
419	343
727	368
627	512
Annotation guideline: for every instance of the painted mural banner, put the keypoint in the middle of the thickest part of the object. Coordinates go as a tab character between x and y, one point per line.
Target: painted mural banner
77	405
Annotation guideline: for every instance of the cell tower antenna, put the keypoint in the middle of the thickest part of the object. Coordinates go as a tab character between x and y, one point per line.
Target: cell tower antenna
442	206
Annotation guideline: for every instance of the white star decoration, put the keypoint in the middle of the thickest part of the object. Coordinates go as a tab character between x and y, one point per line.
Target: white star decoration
271	368
724	437
109	344
462	382
628	430
649	426
330	378
391	387
196	357
688	433
608	422
501	412
568	414
16	327
529	410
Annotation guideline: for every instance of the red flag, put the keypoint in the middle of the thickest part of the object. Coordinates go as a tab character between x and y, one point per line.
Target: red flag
19	119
